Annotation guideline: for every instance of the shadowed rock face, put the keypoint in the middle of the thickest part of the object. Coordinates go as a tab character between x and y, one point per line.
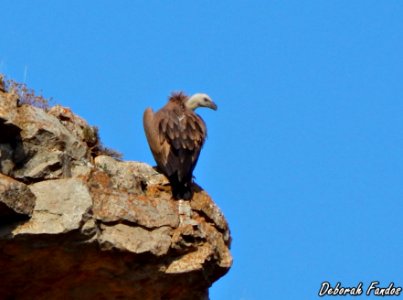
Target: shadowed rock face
75	226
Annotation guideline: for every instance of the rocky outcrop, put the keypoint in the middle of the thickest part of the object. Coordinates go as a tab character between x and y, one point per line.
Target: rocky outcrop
76	224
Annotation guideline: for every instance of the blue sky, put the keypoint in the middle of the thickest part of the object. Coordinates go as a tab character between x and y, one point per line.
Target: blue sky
305	153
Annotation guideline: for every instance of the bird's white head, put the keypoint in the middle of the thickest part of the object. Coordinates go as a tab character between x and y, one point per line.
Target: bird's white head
200	100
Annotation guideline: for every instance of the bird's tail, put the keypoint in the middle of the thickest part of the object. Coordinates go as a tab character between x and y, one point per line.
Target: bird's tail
181	190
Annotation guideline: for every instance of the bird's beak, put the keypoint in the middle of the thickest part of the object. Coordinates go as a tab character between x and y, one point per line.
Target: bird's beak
213	106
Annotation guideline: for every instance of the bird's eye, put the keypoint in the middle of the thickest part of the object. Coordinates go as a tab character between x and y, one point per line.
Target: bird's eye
205	99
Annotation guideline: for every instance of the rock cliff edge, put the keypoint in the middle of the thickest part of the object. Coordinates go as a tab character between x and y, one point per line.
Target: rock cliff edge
78	224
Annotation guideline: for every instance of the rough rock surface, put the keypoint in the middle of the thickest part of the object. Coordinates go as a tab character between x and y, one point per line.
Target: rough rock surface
78	225
16	200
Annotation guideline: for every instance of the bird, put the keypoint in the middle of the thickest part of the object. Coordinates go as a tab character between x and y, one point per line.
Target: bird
176	135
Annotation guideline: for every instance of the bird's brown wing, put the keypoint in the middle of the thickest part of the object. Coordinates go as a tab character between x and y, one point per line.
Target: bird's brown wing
181	134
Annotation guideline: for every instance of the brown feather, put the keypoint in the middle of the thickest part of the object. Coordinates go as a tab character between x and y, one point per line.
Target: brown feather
175	135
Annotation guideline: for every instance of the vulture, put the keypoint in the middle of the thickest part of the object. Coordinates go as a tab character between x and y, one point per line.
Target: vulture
176	135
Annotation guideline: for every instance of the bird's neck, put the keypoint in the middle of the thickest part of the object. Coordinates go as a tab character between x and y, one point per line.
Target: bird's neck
191	103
